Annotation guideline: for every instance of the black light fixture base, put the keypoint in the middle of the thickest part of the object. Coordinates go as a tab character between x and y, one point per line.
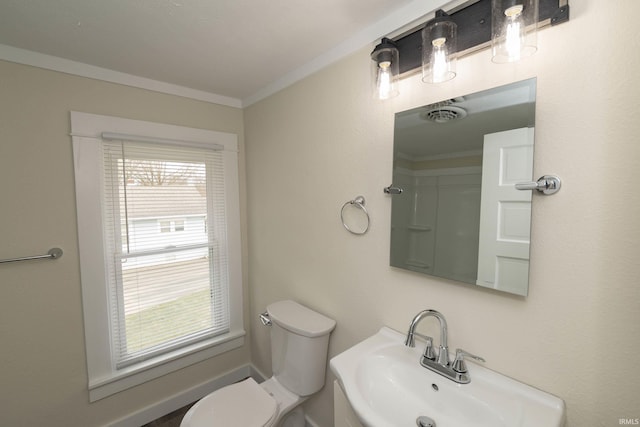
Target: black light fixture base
474	29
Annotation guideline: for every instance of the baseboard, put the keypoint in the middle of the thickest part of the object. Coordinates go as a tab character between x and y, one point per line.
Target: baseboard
186	397
256	374
177	401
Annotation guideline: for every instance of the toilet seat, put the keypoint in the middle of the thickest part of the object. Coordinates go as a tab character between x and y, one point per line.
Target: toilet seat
241	404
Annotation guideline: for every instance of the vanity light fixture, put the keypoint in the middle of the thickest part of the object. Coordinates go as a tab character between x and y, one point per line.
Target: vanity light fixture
513	29
509	27
385	69
439	44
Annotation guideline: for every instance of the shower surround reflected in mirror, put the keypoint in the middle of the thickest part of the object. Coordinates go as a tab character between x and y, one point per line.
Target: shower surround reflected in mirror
459	216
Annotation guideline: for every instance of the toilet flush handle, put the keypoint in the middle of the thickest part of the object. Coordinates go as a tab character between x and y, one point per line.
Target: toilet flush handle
265	319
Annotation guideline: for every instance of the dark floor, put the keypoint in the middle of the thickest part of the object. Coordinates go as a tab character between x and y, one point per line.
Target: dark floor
173	419
170	420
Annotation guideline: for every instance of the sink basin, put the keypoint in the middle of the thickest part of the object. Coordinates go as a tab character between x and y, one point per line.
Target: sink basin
387	387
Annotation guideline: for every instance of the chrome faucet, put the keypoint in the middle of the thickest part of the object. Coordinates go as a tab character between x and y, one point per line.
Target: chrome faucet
443	354
456	371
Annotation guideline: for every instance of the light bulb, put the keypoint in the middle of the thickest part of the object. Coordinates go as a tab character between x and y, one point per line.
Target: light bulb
513	29
439	41
385	70
384	80
515	32
439	63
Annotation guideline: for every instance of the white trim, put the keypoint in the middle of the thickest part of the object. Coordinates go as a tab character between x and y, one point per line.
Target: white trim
112	136
183	398
54	63
193	394
126	379
104	379
93	125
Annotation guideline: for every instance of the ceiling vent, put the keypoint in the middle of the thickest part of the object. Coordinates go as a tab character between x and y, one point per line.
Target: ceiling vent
443	112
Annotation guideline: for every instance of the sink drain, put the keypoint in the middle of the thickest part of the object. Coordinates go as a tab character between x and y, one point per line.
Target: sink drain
425	422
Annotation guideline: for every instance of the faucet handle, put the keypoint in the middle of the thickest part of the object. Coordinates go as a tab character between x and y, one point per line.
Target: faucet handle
428	349
459	365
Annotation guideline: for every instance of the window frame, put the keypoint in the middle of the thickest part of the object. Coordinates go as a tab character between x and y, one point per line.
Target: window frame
86	132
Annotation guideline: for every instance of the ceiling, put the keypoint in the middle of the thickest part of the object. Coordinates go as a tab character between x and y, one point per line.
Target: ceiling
240	49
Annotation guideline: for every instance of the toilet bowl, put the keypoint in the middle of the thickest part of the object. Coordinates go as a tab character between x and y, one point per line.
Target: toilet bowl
299	344
240	404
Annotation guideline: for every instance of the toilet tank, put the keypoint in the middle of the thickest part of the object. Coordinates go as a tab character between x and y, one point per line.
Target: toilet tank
299	345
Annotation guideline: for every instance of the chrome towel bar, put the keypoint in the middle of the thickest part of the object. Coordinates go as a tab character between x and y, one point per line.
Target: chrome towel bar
53	253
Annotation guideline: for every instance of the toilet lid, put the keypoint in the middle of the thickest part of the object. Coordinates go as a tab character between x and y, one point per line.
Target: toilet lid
241	404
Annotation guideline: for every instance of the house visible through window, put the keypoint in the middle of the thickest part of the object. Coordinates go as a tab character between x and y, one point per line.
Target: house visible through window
170	253
167	288
166	226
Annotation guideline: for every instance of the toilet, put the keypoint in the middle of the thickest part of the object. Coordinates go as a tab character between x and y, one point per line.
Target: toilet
299	344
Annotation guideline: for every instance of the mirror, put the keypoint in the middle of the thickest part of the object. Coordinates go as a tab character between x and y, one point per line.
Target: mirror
459	215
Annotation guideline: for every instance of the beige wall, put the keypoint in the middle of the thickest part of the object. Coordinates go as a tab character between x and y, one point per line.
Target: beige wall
322	142
311	148
43	377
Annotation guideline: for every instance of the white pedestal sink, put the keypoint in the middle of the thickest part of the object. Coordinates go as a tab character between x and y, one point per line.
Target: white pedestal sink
387	387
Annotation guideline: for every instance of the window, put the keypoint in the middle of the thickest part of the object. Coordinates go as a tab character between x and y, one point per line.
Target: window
165	226
158	224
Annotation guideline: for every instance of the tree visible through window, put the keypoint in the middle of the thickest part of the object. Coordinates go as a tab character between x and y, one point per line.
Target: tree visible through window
166	288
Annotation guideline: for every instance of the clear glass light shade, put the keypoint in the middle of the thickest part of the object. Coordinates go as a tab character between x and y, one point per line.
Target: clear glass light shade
385	70
439	45
513	29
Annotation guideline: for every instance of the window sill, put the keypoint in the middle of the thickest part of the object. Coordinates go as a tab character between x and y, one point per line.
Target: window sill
148	370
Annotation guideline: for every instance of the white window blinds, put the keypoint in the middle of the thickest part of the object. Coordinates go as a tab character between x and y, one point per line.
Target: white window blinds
165	238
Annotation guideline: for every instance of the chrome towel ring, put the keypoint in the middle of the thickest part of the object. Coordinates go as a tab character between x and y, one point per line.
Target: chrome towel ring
358	203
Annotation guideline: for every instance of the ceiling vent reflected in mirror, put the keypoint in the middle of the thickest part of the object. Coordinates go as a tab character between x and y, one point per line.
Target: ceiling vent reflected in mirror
460	216
443	112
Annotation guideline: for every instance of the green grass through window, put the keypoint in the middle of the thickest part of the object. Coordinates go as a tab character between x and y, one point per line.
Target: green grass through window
161	323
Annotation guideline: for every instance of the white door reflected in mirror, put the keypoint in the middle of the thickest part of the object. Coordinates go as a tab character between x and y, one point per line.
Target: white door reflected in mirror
505	212
452	175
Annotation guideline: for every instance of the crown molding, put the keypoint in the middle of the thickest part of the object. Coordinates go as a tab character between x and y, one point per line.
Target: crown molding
395	22
49	62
